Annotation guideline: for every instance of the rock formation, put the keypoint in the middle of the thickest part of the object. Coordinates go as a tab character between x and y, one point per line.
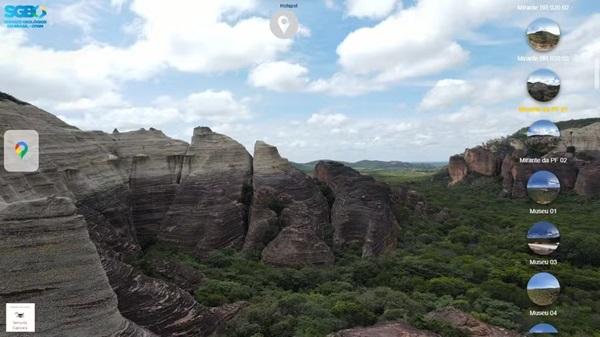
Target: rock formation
362	211
579	146
588	181
63	275
289	214
457	169
469	324
159	306
176	272
105	176
151	163
393	329
457	319
517	175
482	161
585	139
208	211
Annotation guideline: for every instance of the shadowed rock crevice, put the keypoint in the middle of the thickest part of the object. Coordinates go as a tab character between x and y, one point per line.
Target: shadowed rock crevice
178	312
362	211
209	211
288	214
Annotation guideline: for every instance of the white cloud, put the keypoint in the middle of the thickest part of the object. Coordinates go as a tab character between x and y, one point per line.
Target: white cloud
206	37
369	8
203	38
111	111
445	93
279	76
327	119
413	42
118	4
491	86
341	84
211	105
83	14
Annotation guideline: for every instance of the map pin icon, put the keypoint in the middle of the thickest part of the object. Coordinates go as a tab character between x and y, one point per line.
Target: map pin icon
284	23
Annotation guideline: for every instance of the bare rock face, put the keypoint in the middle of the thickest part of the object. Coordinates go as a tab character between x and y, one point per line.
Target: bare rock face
174	271
469	324
457	169
288	215
588	181
152	164
516	175
105	176
64	275
362	211
393	329
481	161
157	305
208	211
584	139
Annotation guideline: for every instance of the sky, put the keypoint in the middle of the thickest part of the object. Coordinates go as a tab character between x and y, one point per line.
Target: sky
543	24
543	328
545	76
411	80
543	281
543	127
543	179
544	230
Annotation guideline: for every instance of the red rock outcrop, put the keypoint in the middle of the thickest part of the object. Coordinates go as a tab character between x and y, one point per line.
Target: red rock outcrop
393	329
457	169
515	175
469	324
482	161
288	215
362	211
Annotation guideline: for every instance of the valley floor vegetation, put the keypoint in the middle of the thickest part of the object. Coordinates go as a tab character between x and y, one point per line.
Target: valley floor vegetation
476	261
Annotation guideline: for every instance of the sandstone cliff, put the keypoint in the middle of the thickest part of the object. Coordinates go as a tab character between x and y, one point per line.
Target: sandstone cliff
362	210
579	146
63	277
120	184
288	214
98	200
208	211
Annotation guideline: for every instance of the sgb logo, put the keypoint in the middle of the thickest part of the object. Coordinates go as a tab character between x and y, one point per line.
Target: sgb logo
28	11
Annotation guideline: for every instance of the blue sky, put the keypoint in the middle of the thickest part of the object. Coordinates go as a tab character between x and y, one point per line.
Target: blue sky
545	76
543	179
543	24
388	79
543	281
543	229
543	328
543	127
